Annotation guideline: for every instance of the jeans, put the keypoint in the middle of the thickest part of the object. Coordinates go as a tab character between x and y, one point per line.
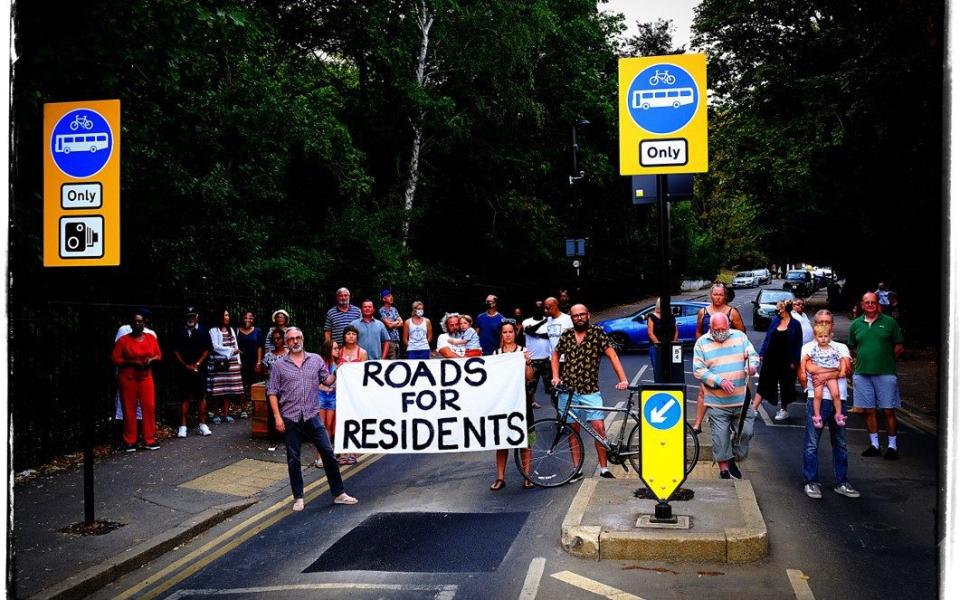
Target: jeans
654	352
311	429
838	441
723	426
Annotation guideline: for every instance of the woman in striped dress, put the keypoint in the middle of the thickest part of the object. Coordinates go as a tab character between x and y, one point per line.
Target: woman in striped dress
225	379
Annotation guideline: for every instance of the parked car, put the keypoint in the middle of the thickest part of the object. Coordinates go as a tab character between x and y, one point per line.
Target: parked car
763	275
765	307
631	331
799	282
745	279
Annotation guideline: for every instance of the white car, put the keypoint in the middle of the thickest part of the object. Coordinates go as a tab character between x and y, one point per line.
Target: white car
763	275
745	279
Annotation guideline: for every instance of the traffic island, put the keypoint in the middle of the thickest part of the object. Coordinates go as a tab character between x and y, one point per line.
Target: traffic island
725	524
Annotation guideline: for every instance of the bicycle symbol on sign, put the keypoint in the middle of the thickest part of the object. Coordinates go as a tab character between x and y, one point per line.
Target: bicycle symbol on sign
663	76
81	121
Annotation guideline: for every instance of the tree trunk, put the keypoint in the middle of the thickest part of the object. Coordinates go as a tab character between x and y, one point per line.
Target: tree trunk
424	22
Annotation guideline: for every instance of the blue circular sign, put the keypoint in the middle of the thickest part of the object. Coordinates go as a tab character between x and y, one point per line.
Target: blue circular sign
662	411
81	143
662	98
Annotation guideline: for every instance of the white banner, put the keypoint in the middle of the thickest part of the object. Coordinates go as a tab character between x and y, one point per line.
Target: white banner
430	406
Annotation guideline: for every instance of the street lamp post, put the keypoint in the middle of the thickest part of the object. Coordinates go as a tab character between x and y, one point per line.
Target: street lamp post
574	147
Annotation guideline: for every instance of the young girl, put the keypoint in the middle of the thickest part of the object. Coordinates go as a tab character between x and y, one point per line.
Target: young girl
825	356
468	338
351	352
327	394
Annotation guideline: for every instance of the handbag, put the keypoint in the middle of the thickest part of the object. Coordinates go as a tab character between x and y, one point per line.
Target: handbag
221	364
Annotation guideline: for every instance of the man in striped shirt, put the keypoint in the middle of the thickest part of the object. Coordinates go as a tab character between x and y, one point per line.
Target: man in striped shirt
292	390
723	358
340	316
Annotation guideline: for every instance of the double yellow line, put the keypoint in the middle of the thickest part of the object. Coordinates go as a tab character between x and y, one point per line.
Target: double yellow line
196	560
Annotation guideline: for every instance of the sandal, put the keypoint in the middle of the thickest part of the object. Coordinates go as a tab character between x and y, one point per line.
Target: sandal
817	421
840	419
498	485
528	485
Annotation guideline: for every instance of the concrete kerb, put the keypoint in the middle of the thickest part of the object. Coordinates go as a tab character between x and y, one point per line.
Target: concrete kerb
92	579
745	543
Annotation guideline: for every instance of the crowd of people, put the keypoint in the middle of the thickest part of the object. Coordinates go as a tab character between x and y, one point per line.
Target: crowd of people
558	343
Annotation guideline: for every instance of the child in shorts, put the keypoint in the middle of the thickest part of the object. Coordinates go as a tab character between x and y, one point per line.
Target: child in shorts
468	337
825	356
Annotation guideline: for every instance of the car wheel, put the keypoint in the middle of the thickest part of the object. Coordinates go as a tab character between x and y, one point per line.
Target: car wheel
619	342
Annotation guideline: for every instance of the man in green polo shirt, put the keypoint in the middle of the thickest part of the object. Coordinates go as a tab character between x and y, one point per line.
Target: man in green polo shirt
876	341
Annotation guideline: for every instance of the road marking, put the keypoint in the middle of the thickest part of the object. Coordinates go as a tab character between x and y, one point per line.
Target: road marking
594	587
638	376
201	557
766	418
799	583
531	585
444	592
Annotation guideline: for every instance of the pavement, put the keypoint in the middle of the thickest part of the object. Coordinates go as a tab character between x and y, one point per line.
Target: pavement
162	499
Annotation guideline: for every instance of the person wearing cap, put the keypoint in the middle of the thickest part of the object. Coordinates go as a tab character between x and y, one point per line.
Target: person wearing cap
281	320
190	348
390	317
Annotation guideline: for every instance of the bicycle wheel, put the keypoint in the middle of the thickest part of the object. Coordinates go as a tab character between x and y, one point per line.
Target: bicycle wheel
554	456
690	440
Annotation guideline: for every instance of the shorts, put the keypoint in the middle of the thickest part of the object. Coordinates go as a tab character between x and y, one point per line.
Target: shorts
393	351
592	400
875	391
418	354
327	401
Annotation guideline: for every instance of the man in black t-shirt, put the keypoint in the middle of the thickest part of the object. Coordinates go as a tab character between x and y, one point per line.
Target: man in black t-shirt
191	347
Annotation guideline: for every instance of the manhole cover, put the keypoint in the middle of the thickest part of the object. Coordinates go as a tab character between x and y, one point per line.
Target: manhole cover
424	543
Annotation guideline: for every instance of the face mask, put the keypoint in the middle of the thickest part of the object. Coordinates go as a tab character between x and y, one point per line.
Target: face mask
419	312
720	336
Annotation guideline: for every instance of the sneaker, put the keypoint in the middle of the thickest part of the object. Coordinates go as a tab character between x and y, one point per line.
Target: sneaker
871	451
735	470
607	474
891	453
128	448
782	415
812	490
203	429
271	448
318	463
576	477
724	474
229	419
153	446
217	421
182	431
243	414
845	489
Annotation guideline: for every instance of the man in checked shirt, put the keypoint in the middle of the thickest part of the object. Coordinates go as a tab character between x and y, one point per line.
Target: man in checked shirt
292	390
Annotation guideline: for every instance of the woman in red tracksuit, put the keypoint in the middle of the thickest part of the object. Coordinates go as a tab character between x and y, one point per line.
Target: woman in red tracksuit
133	354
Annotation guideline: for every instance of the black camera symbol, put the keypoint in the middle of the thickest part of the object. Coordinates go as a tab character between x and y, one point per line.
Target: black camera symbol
78	236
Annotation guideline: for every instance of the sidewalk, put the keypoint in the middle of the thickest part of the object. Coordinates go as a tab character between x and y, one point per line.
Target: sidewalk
161	498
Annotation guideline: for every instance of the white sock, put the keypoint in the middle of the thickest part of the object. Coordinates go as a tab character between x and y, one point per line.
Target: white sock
875	439
604	469
892	441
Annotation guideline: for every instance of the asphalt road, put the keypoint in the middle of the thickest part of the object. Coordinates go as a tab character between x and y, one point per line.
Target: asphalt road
464	541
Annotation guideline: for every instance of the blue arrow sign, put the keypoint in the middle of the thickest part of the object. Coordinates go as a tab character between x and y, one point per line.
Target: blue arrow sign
662	411
662	98
81	143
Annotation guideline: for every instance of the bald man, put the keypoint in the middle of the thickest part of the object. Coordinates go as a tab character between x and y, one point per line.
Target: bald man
876	342
723	359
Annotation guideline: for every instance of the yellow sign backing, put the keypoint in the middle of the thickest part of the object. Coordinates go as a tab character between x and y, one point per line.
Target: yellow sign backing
81	184
662	444
663	114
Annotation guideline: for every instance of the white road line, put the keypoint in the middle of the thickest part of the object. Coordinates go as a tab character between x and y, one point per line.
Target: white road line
766	418
594	587
638	375
531	585
799	583
444	592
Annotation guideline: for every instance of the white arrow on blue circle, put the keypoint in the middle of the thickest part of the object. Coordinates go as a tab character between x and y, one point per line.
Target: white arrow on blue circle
658	416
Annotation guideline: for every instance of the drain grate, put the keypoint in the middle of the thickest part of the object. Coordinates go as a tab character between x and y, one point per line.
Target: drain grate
424	543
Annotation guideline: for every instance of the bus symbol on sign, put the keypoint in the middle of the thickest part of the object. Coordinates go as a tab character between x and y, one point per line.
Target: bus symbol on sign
81	143
662	98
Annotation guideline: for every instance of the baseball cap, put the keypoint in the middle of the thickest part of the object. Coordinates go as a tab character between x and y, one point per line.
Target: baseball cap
385	293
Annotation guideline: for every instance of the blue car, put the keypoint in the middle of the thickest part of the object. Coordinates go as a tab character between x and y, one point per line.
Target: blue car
631	331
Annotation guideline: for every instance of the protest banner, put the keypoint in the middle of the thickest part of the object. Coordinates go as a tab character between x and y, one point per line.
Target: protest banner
431	406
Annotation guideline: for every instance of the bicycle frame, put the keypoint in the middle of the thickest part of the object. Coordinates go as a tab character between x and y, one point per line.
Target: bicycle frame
585	426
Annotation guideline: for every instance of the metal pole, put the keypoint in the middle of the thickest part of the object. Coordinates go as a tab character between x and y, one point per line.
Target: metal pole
88	426
666	316
574	147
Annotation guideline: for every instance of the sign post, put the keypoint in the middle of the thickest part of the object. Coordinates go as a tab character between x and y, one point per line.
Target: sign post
663	131
662	446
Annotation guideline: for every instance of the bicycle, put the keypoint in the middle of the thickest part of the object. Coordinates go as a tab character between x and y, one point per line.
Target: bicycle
556	450
663	76
81	121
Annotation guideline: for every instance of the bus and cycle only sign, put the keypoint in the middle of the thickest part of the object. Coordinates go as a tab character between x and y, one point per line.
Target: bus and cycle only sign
663	114
662	443
81	183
